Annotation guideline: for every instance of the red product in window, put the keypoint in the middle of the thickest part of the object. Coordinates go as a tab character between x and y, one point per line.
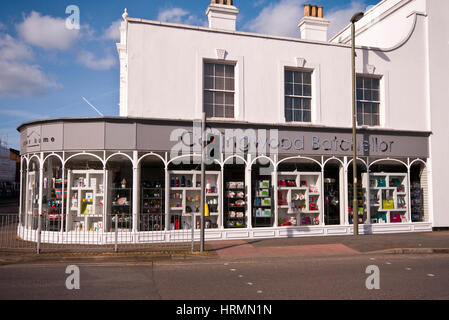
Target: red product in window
395	217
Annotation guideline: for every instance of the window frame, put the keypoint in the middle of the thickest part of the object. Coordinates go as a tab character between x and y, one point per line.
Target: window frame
379	100
300	97
224	91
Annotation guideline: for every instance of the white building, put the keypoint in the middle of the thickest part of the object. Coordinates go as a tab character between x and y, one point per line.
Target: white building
291	95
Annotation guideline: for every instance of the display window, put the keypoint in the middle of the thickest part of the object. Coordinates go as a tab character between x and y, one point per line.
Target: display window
419	192
23	186
85	194
119	187
333	184
361	196
185	196
262	174
152	194
388	187
235	204
32	194
299	193
54	193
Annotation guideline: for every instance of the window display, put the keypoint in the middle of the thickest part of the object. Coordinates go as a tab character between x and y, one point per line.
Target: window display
152	206
299	201
184	199
262	203
235	205
85	200
388	197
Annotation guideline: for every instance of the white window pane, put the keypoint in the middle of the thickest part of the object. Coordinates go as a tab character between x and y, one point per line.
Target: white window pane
208	97
229	98
219	70
307	90
229	112
307	116
289	89
229	71
208	109
219	111
297	90
307	78
297	115
208	83
219	84
209	69
219	98
229	84
288	76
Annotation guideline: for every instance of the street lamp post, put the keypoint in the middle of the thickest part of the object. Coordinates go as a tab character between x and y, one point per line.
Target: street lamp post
355	211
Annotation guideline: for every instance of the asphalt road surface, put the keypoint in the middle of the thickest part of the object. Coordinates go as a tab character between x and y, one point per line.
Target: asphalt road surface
296	278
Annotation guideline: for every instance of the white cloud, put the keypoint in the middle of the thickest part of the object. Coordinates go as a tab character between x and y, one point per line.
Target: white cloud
11	49
19	76
179	15
340	18
88	59
280	19
47	32
113	31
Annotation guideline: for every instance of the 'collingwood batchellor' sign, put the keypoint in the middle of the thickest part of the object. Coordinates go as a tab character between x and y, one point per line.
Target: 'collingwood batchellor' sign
183	137
301	142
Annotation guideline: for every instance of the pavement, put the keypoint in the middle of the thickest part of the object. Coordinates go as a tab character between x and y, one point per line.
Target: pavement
401	243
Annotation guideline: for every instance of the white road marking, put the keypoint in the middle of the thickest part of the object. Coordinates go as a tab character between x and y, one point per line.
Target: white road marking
430	275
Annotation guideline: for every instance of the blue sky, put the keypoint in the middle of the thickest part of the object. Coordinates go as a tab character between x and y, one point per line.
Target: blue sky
46	68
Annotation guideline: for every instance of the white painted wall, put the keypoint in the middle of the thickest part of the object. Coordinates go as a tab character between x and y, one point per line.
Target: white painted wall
438	36
383	26
165	75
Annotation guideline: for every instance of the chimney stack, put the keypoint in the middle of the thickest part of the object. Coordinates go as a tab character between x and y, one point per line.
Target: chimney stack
222	15
313	26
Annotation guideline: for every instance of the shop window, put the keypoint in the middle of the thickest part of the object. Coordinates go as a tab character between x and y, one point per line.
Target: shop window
419	193
298	96
368	101
361	189
299	194
235	205
219	90
152	195
262	194
388	190
53	194
185	195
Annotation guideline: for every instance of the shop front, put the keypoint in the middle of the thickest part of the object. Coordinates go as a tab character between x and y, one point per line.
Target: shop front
142	178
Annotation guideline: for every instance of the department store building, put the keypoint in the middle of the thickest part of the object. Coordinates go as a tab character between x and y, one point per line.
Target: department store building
279	129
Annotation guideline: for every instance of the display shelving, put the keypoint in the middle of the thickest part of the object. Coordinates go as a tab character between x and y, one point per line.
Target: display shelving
152	206
388	197
235	207
262	196
184	199
299	198
85	200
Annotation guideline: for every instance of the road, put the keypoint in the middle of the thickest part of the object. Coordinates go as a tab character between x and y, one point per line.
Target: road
294	278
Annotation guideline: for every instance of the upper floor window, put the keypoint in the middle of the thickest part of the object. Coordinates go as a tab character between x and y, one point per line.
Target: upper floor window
368	101
298	96
219	84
